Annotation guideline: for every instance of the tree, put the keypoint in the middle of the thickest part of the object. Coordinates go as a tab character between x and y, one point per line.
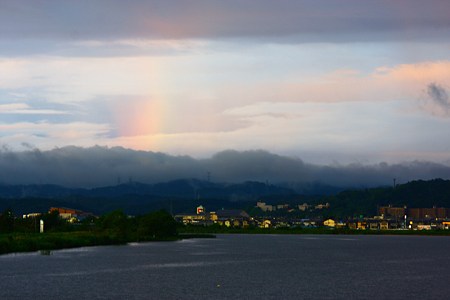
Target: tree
116	223
53	221
159	224
7	221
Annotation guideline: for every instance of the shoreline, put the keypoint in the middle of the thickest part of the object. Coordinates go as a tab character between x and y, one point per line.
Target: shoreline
31	242
317	231
47	242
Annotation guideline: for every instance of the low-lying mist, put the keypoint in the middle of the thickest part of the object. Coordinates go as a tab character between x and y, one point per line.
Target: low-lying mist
101	166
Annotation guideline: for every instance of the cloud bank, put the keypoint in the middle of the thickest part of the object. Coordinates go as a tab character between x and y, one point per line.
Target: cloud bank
102	166
318	20
439	97
343	81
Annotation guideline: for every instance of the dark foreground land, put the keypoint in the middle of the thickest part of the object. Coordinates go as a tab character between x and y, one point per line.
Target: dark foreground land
114	228
20	242
117	229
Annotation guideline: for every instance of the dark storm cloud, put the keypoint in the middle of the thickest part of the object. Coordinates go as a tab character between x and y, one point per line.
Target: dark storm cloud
99	166
311	20
439	95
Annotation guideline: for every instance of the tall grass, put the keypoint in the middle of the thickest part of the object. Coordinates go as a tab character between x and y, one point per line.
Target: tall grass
28	242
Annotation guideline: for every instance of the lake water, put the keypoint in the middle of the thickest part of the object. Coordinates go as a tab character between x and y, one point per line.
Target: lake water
238	267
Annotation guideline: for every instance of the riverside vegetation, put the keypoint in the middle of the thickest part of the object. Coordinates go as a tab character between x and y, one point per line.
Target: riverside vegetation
115	228
22	235
217	229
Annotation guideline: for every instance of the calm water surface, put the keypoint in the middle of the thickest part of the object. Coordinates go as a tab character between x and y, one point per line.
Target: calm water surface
239	267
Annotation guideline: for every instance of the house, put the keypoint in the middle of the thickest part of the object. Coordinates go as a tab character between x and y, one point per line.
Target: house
232	213
266	224
352	225
283	206
340	224
70	214
32	215
384	225
361	225
303	207
329	223
200	210
429	213
322	206
191	219
233	217
373	225
307	223
389	211
265	207
199	218
213	216
423	227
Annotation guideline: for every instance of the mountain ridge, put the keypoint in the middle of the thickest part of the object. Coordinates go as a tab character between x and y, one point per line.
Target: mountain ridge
184	195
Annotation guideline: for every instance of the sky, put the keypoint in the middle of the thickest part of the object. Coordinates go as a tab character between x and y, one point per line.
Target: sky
321	81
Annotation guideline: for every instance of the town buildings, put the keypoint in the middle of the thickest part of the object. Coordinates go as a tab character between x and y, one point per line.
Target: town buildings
388	218
224	217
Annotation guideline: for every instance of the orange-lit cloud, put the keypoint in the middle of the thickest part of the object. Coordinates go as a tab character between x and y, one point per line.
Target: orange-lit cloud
401	82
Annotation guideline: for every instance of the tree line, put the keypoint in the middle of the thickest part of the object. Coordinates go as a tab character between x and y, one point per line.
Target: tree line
116	224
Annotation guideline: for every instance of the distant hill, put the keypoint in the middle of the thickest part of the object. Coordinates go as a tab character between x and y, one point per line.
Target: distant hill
36	190
183	188
178	195
184	195
413	194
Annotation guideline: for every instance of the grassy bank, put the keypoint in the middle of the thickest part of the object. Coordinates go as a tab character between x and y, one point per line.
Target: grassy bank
19	242
29	242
